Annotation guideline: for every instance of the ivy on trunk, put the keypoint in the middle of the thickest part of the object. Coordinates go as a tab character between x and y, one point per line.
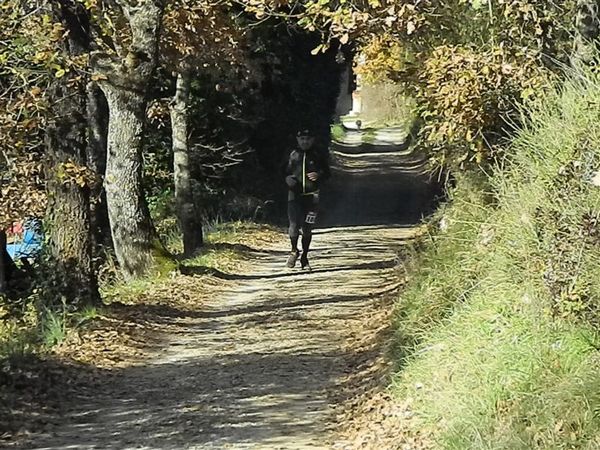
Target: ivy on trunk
68	217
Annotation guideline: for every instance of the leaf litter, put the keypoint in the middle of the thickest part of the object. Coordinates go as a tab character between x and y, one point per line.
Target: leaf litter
40	391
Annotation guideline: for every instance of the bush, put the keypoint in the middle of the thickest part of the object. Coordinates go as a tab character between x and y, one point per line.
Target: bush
469	63
467	95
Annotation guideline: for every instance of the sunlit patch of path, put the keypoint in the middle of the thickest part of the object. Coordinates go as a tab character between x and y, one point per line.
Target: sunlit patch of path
253	370
259	365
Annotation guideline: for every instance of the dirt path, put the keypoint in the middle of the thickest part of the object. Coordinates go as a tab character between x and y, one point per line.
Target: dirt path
278	358
255	369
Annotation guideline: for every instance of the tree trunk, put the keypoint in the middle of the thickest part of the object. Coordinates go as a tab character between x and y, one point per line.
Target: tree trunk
69	228
134	237
125	84
3	265
191	226
587	31
97	118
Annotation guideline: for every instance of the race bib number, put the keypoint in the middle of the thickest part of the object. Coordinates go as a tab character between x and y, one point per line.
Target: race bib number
311	217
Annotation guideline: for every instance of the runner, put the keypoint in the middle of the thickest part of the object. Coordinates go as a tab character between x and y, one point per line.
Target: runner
306	169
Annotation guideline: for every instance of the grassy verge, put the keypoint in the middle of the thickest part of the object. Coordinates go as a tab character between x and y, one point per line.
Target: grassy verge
337	132
387	105
227	246
497	334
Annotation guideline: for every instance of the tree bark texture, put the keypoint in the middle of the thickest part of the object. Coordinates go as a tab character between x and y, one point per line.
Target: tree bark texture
7	266
97	118
3	264
189	222
587	23
69	227
125	85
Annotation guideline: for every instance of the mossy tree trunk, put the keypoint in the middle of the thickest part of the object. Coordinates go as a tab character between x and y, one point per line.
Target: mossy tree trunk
68	217
125	84
187	215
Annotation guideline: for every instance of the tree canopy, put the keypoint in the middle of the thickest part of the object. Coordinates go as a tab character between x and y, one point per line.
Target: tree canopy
469	64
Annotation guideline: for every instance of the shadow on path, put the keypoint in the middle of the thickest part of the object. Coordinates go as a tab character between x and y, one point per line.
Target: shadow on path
194	270
257	366
383	184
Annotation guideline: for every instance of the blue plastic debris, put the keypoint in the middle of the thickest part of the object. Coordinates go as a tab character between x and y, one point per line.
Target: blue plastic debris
29	245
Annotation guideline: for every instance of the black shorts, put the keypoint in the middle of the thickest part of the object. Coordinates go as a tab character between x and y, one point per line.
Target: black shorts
298	209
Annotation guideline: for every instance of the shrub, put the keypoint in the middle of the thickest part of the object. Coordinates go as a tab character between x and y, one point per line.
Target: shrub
466	97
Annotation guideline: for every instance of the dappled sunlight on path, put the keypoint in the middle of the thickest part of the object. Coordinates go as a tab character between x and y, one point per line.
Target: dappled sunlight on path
256	367
268	361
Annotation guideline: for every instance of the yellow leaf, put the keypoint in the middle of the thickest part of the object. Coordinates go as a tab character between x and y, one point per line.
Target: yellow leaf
317	49
527	93
60	73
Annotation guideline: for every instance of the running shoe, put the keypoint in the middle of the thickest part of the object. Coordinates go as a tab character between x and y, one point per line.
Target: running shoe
291	261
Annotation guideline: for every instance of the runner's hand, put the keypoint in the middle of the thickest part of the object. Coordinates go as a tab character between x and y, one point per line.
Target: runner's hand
313	176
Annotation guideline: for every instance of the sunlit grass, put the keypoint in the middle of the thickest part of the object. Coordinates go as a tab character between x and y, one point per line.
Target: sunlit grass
497	333
225	248
337	132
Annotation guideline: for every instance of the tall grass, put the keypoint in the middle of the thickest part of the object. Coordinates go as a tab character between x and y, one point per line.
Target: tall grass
498	331
36	329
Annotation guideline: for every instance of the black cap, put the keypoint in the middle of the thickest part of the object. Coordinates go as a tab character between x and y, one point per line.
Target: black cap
304	132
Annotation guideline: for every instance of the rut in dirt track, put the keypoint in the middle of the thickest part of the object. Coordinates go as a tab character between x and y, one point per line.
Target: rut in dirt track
258	366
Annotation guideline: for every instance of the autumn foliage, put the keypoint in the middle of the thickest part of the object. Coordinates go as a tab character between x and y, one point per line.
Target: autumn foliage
466	97
469	63
28	61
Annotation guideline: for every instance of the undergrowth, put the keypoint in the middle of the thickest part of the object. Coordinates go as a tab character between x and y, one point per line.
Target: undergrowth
497	333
